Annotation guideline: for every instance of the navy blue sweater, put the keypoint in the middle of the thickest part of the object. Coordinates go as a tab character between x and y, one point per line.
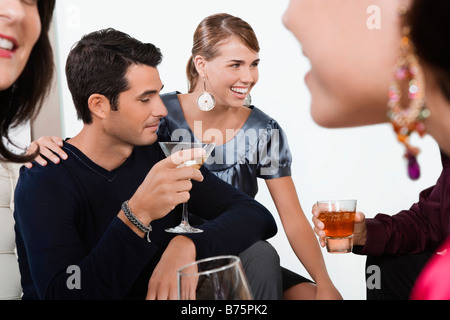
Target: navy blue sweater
66	215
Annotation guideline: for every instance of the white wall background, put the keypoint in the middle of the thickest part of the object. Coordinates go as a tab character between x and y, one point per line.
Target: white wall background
362	163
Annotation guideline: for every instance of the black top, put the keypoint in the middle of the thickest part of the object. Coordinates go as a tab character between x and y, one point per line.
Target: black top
66	215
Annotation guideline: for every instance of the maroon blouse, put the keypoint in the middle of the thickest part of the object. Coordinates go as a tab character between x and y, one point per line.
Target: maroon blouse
424	227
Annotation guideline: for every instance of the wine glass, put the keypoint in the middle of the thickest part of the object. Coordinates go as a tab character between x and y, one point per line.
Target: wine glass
170	148
216	278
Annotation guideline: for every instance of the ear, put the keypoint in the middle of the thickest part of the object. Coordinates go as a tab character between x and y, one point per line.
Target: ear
99	105
200	65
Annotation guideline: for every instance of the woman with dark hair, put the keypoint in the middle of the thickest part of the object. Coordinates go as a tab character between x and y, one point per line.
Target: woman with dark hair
401	70
26	65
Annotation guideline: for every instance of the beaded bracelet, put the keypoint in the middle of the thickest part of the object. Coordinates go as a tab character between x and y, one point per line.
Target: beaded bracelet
133	219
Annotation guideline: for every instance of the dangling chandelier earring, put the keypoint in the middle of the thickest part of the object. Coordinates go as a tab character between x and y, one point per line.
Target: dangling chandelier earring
248	101
206	101
407	119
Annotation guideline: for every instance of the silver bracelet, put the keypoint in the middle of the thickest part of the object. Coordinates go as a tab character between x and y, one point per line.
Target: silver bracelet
133	219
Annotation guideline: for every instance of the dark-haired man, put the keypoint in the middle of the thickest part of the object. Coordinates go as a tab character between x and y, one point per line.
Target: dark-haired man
92	227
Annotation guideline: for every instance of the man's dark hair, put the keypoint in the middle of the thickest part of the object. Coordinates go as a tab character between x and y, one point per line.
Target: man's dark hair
98	63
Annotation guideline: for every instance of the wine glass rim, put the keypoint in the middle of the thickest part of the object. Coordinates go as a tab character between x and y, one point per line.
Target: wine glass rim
337	200
233	261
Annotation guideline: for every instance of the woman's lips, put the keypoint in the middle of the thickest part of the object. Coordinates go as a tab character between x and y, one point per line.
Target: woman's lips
7	42
240	92
8	45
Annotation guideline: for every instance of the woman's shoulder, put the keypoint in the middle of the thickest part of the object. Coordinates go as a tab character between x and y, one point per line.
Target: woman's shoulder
170	98
261	120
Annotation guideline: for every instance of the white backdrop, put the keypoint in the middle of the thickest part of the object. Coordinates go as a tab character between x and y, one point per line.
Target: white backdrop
361	163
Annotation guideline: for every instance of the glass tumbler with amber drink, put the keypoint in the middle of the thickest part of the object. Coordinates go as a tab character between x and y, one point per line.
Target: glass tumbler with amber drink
338	217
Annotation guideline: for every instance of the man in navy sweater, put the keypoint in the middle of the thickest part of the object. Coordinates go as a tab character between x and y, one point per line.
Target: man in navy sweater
70	217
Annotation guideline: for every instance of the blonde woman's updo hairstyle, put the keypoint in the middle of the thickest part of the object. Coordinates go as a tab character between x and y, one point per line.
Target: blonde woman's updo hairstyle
211	33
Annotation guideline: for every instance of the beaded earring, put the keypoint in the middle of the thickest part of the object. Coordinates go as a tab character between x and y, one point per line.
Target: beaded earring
206	101
407	118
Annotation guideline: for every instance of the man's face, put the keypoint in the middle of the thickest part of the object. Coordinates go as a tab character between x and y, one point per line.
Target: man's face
140	108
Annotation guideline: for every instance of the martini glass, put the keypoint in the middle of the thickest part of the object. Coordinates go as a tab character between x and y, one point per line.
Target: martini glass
170	148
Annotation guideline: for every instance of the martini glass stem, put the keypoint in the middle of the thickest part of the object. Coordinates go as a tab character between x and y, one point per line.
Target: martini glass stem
185	216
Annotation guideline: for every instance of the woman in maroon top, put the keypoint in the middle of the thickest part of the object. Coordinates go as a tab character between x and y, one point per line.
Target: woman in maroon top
357	74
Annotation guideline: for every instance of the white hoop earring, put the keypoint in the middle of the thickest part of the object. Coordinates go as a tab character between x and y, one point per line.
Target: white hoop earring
248	101
206	101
